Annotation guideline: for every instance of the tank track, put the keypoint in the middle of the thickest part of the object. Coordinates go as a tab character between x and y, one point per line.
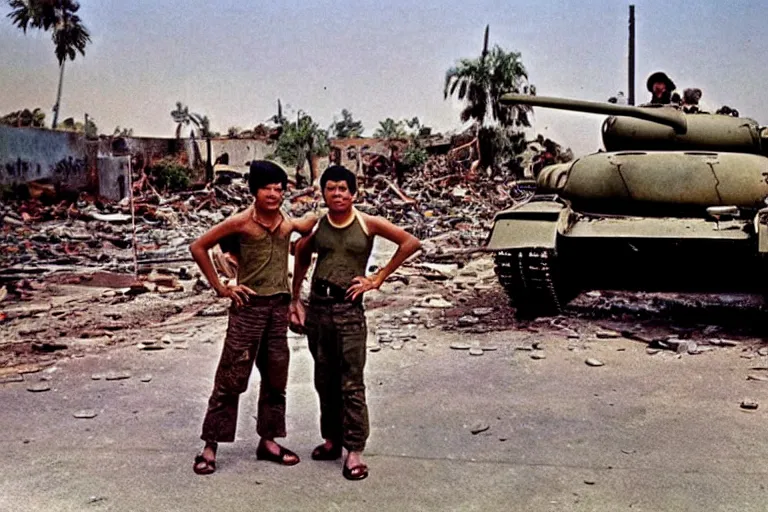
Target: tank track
528	277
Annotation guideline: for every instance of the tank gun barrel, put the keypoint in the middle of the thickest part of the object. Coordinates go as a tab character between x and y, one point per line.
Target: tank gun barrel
664	116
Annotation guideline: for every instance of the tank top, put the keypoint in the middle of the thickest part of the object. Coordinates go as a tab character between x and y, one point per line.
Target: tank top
263	262
342	253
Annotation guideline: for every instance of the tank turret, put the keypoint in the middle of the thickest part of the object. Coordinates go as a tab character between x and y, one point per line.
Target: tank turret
661	127
672	192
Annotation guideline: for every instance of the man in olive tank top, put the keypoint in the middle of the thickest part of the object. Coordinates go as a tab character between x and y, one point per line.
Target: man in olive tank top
334	317
258	319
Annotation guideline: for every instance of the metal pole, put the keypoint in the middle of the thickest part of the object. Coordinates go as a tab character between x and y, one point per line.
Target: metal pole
631	64
133	222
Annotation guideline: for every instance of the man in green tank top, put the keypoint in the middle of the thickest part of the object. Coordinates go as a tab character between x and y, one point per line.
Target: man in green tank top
258	319
334	317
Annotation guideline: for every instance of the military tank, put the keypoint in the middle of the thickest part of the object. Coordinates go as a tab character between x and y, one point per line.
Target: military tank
674	202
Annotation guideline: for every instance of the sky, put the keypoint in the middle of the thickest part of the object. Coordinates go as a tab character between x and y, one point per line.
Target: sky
231	60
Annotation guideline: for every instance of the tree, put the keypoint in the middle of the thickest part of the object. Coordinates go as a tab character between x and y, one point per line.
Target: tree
347	127
481	82
301	141
182	117
122	132
67	31
390	129
20	118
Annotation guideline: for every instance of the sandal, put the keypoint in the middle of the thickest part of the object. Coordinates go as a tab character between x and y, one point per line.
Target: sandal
322	453
358	472
208	467
262	453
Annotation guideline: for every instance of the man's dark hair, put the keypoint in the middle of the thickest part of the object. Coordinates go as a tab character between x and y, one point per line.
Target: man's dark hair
339	173
265	173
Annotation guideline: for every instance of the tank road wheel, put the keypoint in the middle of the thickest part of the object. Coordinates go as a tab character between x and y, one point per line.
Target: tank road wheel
532	281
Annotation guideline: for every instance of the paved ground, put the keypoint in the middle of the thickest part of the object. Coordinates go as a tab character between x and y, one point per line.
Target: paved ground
643	432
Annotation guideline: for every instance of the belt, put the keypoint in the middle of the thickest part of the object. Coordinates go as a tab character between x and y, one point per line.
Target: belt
328	290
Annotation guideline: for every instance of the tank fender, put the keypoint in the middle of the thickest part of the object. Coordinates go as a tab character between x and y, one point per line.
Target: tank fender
533	224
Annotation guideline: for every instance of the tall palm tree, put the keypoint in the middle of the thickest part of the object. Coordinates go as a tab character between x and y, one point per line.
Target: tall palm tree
68	33
181	117
481	82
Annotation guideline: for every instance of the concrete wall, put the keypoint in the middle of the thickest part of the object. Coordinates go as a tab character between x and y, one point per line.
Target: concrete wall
240	151
113	176
30	154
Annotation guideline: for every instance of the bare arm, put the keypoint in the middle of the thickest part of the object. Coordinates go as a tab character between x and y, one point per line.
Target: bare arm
302	260
407	245
200	247
305	224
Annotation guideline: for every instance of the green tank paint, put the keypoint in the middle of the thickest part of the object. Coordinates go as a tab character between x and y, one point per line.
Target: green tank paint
670	193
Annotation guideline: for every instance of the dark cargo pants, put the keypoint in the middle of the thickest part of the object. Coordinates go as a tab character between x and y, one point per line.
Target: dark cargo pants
337	333
256	332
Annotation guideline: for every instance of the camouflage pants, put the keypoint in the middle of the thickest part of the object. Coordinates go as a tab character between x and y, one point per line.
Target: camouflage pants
337	335
256	332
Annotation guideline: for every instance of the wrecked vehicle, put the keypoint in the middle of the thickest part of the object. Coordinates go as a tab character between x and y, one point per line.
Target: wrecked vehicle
675	202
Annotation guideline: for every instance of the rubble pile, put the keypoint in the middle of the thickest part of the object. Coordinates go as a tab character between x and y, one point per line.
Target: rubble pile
439	205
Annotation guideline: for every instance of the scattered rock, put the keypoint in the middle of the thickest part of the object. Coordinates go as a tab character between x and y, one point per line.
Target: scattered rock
607	334
538	354
761	378
16	377
482	311
762	351
475	351
145	378
85	414
39	387
591	361
117	375
749	404
374	348
467	320
97	376
479	427
457	345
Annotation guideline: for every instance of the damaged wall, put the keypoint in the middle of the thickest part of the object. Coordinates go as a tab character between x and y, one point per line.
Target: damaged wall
30	154
240	151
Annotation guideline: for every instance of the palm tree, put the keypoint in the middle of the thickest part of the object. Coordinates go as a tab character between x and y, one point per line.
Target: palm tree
68	33
481	82
390	129
181	117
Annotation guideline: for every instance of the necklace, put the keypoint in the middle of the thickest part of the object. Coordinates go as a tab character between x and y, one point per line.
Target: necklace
270	228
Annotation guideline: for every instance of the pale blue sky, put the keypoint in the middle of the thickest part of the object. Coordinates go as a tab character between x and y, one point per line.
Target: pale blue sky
231	60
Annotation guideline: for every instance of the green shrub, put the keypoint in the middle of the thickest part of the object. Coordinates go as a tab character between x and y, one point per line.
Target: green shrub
169	175
414	156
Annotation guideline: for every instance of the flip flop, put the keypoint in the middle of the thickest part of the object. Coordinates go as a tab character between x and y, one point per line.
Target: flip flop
322	453
207	469
263	454
358	472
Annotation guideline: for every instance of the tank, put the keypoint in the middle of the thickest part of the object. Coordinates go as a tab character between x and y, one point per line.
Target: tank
673	202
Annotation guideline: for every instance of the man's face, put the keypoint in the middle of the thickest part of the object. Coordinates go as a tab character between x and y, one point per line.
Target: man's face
337	196
659	88
270	197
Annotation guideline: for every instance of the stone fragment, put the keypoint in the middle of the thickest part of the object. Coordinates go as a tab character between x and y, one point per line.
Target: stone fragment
753	376
97	376
39	387
749	404
145	378
607	334
489	348
762	351
457	345
591	361
651	351
467	320
482	311
117	375
374	348
16	377
475	351
85	414
479	427
538	354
